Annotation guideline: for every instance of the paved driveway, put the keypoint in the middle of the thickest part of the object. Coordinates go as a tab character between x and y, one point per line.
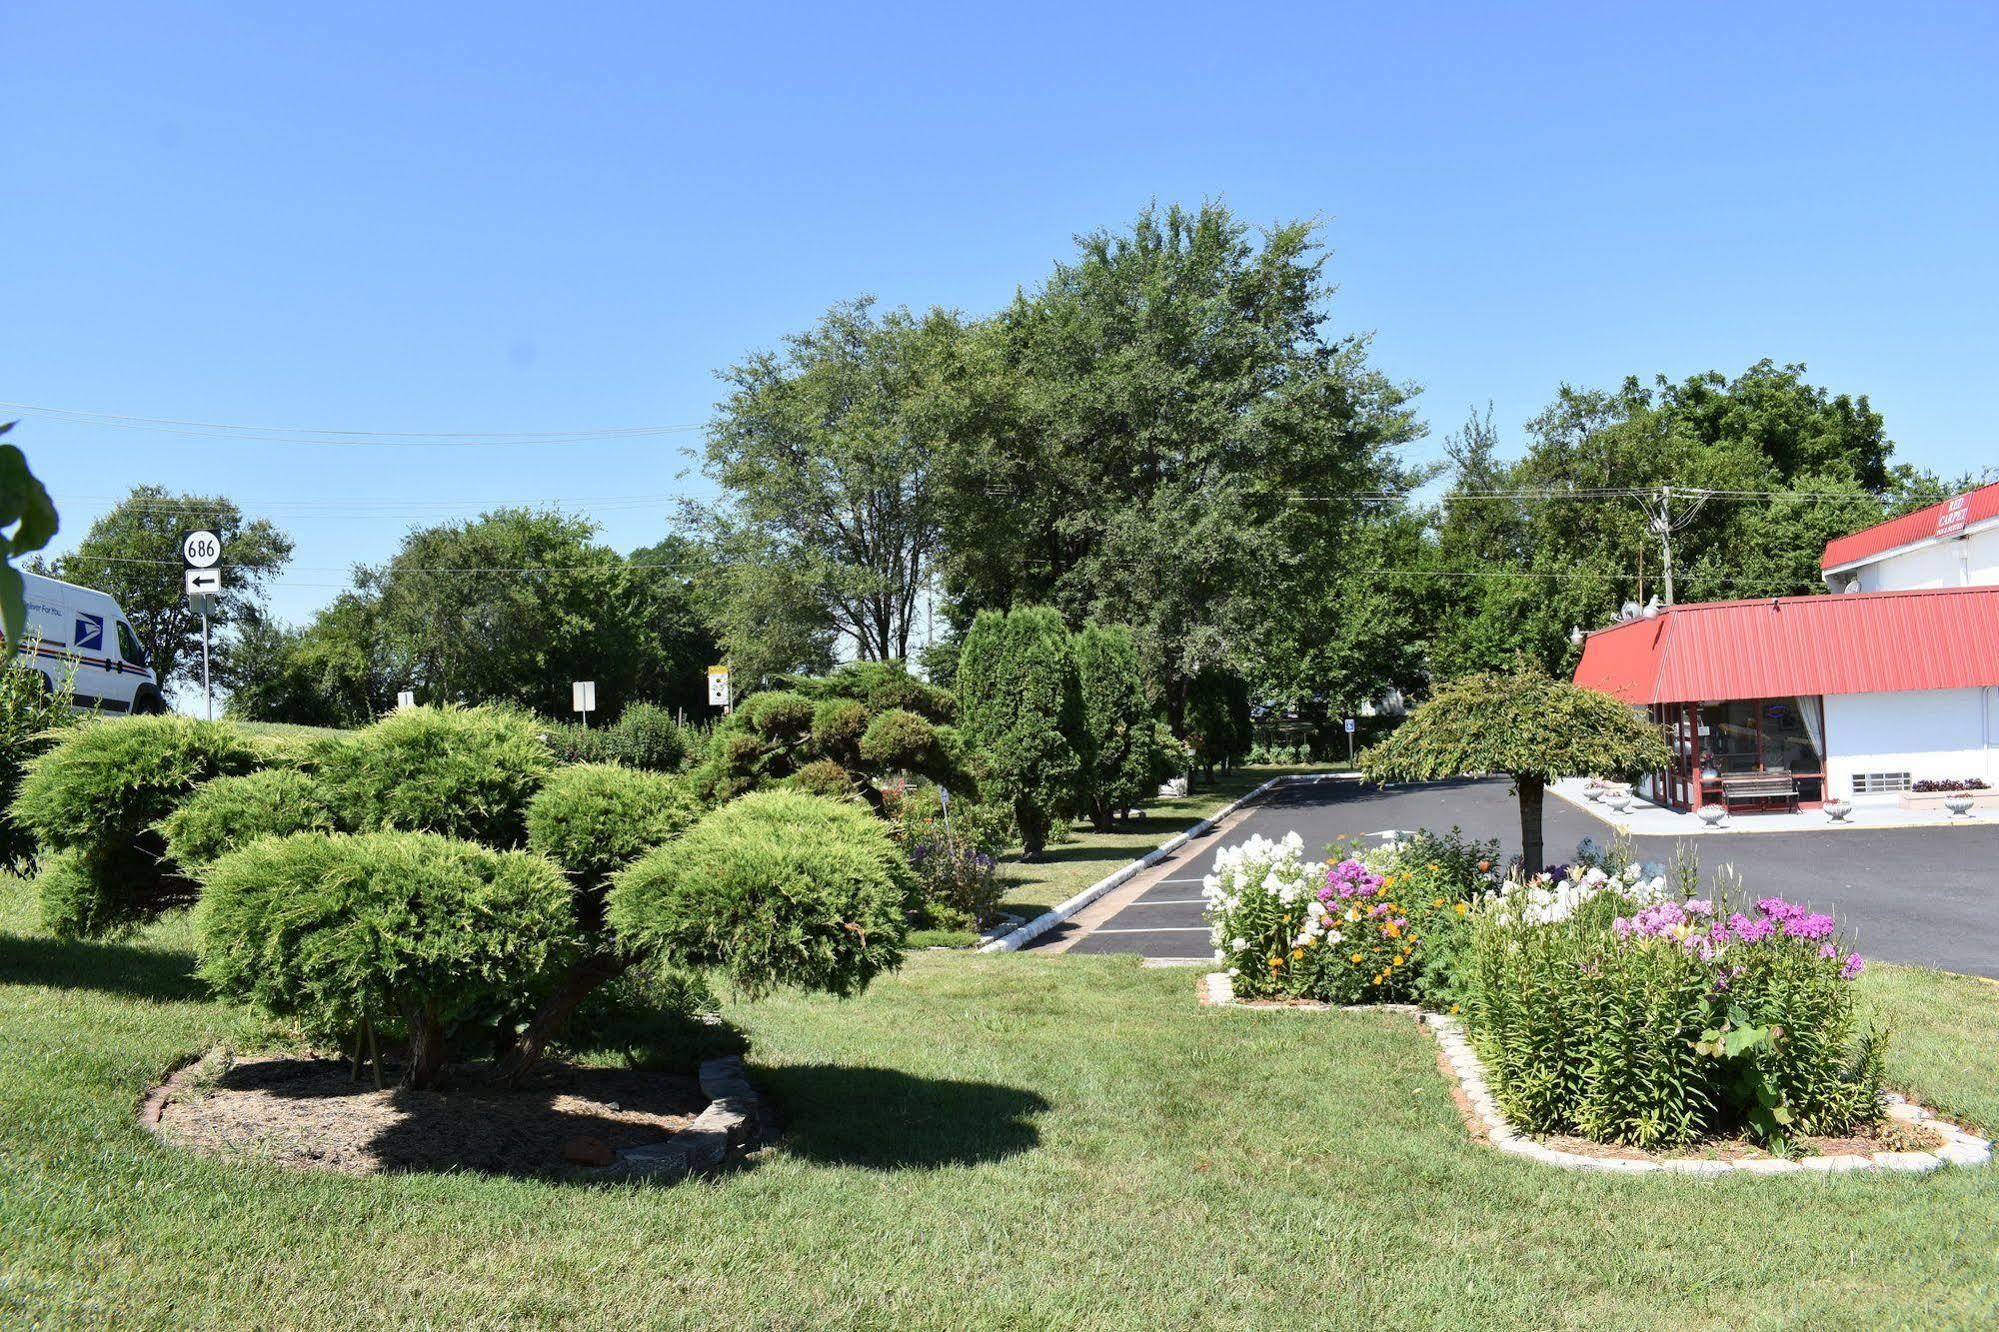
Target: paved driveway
1922	895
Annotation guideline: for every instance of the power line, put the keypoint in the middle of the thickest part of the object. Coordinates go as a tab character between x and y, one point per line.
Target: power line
341	437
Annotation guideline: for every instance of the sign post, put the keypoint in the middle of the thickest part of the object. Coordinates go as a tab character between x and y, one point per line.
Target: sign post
583	699
1350	729
201	552
718	687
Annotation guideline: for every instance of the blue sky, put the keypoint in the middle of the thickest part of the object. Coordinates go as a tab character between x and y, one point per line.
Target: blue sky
538	217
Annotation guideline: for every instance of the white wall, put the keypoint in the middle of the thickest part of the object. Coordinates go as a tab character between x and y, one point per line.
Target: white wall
1968	561
1925	732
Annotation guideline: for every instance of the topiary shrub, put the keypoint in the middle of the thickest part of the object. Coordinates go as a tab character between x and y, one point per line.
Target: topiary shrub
458	772
593	819
778	888
384	929
31	712
99	793
646	736
1118	758
837	727
778	716
823	777
1023	715
300	753
229	812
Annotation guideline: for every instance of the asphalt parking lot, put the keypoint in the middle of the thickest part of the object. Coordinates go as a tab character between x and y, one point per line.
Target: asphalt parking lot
1919	895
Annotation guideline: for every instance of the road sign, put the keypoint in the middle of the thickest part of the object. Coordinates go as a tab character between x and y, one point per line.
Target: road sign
406	698
1350	726
203	604
203	582
201	550
718	686
583	696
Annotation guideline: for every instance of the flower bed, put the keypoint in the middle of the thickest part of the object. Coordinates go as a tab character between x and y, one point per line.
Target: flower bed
1378	926
1605	1007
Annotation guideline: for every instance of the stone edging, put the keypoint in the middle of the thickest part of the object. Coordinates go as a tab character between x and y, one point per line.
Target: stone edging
737	1120
1022	935
1960	1148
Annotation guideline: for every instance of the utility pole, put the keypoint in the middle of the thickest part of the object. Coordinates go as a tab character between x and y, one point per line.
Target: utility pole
1665	524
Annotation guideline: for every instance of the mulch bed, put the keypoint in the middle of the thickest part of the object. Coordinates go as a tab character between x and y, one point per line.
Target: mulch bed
307	1112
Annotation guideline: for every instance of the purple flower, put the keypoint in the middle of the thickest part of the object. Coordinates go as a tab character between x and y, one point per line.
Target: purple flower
1814	925
1828	951
1699	906
1853	966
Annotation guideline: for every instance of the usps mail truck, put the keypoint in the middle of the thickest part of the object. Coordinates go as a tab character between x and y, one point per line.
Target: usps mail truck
78	635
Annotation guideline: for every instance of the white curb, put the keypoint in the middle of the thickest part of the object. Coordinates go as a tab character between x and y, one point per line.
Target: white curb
1017	938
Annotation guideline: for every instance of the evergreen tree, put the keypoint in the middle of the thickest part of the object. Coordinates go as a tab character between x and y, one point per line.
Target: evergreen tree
1023	715
1117	724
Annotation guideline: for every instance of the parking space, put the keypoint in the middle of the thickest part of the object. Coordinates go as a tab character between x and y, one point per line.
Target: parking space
1917	895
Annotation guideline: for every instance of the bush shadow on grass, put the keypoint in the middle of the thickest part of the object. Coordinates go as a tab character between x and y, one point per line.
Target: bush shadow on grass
877	1119
79	964
883	1119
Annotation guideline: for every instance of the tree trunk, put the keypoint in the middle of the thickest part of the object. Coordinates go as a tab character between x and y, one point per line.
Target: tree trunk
1531	854
1033	829
426	1054
584	978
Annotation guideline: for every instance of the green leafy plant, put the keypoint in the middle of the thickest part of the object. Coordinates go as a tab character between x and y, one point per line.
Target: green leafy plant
646	736
229	812
32	712
1023	715
26	508
459	772
594	819
1527	726
99	794
382	931
1118	758
779	888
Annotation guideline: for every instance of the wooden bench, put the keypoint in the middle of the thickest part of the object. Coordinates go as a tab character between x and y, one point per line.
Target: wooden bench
1760	788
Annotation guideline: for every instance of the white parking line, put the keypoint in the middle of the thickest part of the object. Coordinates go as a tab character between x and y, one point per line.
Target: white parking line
1170	901
1163	929
1180	881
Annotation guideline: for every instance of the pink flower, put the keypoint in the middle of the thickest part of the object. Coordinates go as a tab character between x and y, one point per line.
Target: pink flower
1855	963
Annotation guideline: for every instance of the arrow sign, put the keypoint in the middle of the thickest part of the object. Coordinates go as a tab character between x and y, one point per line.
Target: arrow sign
203	582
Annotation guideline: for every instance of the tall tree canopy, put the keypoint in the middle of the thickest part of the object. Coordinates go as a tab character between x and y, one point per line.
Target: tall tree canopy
1166	434
133	553
826	457
1563	536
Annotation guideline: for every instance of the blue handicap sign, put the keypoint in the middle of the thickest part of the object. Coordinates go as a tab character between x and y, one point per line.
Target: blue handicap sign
89	632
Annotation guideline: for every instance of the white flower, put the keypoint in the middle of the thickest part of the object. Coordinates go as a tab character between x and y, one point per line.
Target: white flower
1238	942
1235	971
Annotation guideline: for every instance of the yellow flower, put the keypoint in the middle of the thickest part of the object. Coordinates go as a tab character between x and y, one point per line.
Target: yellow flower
1297	953
1356	957
1454	1008
1436	901
1433	867
1399	957
1462	908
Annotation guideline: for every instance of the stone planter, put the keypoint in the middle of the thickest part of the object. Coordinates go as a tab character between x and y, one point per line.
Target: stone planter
1937	801
1959	805
1839	811
1712	815
1621	802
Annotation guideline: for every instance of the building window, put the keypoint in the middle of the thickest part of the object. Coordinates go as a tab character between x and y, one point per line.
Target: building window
1875	783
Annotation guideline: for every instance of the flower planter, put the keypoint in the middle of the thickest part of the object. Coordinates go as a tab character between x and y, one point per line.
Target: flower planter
1839	811
1712	815
1936	802
1959	805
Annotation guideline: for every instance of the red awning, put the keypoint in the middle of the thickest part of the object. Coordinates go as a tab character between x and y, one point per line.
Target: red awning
1855	643
1939	520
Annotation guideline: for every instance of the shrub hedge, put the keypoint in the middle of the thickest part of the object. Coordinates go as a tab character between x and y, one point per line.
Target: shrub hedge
777	888
593	819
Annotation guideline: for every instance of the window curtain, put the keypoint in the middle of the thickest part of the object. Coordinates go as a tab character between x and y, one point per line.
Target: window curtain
1812	712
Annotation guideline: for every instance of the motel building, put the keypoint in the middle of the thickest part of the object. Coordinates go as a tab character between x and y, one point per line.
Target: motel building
1793	701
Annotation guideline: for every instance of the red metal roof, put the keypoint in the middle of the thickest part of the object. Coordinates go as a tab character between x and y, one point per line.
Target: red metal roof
1939	520
1853	643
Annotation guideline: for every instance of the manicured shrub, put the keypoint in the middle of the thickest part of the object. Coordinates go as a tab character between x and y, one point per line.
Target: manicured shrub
899	741
646	736
823	777
99	793
879	686
1022	715
837	727
777	888
229	812
593	819
300	753
1605	1006
407	930
31	712
570	743
458	772
1118	763
779	716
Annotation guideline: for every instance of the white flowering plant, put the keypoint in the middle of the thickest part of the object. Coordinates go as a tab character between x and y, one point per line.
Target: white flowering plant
1363	926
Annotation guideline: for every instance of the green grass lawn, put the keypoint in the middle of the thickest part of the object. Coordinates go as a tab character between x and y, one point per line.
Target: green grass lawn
1069	867
978	1142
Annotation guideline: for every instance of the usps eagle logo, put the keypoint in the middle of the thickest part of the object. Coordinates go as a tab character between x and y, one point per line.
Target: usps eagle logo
89	633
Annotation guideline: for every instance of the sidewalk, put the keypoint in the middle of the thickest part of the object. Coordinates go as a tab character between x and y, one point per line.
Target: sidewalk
1645	819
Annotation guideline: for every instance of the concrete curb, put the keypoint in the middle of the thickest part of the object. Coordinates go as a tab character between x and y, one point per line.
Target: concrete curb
737	1120
1610	819
1015	939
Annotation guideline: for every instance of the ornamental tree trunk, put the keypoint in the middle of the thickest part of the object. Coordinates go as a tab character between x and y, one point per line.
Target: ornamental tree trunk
1033	828
427	1055
1531	790
584	978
